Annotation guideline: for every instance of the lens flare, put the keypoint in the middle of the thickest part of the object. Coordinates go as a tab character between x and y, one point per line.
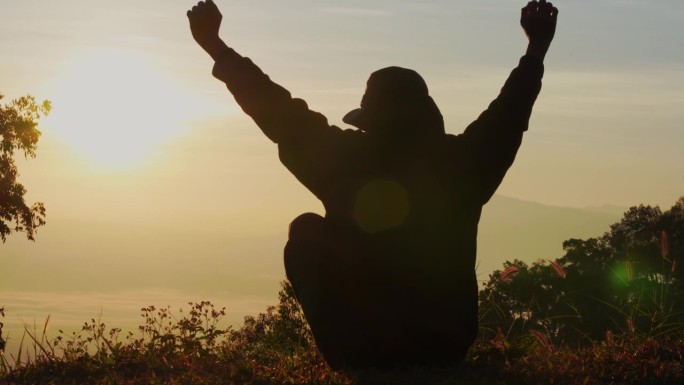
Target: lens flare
381	205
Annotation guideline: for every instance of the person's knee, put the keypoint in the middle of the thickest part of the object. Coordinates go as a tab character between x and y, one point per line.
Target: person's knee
304	238
307	227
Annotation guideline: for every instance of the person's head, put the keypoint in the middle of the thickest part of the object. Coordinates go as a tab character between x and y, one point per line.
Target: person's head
397	104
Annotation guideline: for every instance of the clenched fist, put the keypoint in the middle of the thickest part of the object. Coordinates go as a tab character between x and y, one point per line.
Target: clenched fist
205	21
538	19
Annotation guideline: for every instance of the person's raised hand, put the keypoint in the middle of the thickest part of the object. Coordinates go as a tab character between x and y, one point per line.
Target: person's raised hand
538	19
205	21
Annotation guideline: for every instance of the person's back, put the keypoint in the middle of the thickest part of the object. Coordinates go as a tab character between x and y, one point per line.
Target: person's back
387	277
394	225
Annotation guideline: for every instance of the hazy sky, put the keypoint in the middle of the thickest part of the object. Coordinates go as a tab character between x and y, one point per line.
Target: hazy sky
143	139
134	101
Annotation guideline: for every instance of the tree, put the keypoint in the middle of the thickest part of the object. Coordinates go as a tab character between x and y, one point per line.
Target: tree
18	132
672	243
629	279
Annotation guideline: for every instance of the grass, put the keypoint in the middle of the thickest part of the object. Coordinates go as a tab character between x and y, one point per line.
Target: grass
275	347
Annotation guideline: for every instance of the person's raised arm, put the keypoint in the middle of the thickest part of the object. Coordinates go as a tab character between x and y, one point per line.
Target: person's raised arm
282	118
494	138
306	142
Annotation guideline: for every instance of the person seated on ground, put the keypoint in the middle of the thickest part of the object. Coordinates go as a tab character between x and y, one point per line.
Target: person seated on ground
387	277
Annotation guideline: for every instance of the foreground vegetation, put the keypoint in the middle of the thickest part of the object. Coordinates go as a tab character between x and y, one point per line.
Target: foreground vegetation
611	311
276	348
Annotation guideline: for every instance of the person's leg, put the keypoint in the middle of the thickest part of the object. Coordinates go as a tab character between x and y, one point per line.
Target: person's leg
315	264
307	256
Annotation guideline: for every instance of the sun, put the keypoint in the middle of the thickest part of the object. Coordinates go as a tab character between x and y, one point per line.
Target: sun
115	108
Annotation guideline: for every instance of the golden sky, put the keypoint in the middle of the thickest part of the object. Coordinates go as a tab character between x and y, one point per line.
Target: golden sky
132	93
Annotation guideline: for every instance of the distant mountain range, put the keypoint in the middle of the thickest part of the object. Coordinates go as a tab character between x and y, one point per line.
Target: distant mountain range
512	228
81	256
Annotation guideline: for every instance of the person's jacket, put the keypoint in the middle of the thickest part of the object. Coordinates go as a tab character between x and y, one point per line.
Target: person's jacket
417	204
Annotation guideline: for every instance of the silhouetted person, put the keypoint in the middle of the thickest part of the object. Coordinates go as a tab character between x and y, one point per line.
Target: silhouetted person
387	277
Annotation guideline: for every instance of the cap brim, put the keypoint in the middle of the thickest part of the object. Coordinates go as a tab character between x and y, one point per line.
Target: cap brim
353	117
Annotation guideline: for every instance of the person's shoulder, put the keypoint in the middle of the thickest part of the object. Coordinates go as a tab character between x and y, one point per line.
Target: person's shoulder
348	135
334	137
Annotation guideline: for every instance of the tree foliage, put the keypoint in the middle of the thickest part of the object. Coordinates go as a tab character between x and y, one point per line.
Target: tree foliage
18	133
629	280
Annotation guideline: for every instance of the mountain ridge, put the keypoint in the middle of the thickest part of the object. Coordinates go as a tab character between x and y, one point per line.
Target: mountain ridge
100	256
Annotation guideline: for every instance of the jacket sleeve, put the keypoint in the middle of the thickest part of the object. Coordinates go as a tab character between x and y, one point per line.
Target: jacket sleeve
303	136
491	142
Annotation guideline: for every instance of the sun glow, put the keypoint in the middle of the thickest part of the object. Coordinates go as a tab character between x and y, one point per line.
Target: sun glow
115	108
